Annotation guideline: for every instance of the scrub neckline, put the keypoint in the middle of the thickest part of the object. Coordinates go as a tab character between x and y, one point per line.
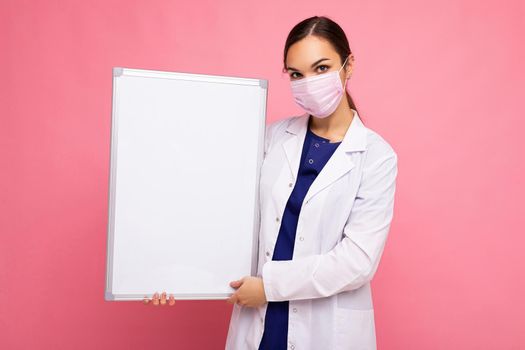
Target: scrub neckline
322	138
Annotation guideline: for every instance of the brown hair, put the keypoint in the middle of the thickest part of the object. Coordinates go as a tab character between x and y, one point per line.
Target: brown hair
325	28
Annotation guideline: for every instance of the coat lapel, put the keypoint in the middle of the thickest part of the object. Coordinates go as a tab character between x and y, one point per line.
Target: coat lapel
339	163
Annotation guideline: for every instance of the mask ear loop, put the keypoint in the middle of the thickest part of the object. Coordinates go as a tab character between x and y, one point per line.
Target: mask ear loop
345	61
346	79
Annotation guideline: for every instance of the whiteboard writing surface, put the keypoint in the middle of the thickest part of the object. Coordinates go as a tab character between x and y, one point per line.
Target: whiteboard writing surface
186	151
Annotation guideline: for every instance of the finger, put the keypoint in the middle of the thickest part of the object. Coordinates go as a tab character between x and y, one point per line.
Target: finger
172	300
233	298
163	298
156	299
235	284
146	300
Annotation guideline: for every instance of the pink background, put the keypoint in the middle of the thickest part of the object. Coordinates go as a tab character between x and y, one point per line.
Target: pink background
440	80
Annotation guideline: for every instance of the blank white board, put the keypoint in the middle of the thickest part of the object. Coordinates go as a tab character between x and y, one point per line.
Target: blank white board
186	151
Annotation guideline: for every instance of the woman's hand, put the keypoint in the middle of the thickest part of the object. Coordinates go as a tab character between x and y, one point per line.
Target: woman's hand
162	300
250	292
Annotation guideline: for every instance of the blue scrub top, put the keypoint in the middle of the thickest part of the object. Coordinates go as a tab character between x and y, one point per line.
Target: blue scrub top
316	152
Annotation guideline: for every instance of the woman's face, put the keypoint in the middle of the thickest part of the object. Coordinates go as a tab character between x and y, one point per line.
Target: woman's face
312	56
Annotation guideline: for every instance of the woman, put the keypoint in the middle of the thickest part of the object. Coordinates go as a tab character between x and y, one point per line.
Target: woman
322	232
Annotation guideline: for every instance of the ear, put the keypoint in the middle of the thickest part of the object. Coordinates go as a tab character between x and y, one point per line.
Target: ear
349	66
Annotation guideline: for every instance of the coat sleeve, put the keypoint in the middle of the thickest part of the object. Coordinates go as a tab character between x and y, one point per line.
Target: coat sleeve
354	260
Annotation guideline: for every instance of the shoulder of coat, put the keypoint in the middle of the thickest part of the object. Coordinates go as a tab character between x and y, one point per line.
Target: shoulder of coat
377	146
279	125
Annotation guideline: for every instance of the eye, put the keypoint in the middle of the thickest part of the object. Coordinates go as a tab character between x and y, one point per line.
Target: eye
293	76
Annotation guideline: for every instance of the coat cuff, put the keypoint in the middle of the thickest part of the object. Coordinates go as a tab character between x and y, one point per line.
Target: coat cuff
268	282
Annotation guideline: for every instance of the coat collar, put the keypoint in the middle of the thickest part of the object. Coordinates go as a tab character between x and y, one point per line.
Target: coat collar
339	163
354	139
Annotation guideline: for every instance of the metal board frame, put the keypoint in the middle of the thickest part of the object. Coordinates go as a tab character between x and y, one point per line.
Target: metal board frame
248	83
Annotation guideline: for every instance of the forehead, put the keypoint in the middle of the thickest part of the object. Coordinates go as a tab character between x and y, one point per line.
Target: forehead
308	50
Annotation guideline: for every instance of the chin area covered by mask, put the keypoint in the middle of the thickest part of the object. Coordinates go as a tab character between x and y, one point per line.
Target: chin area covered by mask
320	94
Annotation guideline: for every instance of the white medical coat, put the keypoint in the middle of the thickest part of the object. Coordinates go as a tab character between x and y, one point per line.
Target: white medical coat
341	233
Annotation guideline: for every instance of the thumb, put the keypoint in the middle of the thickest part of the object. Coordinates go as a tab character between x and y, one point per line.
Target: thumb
236	284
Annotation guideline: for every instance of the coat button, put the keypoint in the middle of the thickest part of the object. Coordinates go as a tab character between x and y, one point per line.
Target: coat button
301	238
294	309
290	184
277	219
267	253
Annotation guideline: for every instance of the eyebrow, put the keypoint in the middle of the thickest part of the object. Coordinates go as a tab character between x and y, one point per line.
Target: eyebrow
313	64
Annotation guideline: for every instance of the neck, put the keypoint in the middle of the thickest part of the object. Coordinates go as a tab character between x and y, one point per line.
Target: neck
336	124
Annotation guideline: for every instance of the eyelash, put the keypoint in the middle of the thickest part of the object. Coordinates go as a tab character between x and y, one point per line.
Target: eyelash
327	67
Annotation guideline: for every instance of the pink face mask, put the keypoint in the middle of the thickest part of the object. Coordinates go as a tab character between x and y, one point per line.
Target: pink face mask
320	94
